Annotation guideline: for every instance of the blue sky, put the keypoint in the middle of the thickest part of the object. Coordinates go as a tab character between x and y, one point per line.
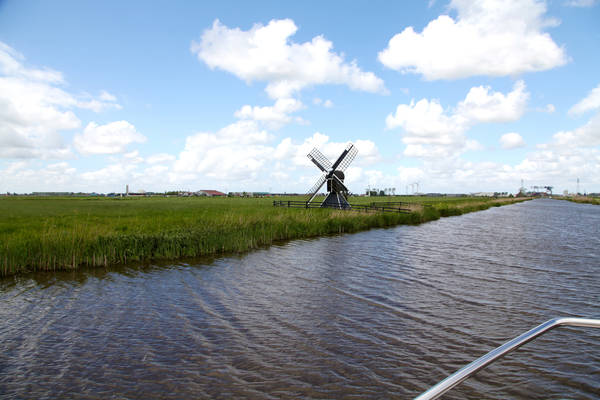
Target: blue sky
460	96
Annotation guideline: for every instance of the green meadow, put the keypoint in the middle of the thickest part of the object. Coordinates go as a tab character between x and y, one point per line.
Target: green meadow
50	233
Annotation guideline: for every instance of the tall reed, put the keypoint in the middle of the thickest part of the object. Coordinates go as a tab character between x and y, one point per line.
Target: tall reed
67	233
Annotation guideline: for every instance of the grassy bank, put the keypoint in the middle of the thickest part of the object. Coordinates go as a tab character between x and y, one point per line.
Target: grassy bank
67	233
584	200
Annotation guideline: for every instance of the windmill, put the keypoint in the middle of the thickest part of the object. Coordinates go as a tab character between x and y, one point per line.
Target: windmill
333	175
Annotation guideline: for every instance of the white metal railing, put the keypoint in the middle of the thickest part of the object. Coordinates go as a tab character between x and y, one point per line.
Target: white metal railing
482	362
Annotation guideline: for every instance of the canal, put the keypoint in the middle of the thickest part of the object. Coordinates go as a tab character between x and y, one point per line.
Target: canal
384	313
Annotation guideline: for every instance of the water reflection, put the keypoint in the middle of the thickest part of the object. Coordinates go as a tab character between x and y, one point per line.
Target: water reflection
379	314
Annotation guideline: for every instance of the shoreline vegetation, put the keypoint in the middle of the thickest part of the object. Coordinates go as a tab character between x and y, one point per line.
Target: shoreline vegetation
59	233
584	200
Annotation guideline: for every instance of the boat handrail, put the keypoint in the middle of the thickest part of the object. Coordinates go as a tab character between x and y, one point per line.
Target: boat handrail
465	372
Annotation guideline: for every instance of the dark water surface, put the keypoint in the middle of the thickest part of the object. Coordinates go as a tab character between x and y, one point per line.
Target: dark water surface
379	314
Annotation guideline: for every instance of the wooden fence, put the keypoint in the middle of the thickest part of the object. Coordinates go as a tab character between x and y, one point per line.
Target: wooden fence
397	207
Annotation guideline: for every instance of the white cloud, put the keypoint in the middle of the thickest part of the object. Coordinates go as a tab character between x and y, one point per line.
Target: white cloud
361	179
587	135
279	175
265	53
105	96
155	171
31	119
560	167
117	174
482	106
243	154
368	153
430	131
473	145
160	158
373	176
133	157
22	176
425	119
319	102
275	116
353	175
569	155
99	105
488	37
590	102
236	152
411	173
34	110
581	3
11	65
111	138
511	140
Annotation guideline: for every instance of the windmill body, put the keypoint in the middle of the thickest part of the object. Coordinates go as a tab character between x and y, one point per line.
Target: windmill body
333	176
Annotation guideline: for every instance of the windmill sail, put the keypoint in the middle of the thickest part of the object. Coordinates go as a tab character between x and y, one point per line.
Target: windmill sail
347	158
319	160
312	193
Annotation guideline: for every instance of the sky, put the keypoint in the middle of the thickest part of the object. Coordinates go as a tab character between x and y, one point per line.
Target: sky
460	96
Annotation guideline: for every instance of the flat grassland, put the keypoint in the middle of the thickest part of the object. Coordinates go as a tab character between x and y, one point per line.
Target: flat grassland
58	233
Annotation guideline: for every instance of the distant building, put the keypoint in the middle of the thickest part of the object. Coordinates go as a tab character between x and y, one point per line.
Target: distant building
211	193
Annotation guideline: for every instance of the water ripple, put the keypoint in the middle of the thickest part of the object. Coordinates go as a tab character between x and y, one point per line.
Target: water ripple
379	314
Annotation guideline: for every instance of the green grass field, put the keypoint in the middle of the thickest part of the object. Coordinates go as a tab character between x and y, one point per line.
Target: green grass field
42	233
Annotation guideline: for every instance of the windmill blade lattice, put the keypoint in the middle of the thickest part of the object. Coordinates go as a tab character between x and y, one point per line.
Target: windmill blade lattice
315	189
319	160
348	158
